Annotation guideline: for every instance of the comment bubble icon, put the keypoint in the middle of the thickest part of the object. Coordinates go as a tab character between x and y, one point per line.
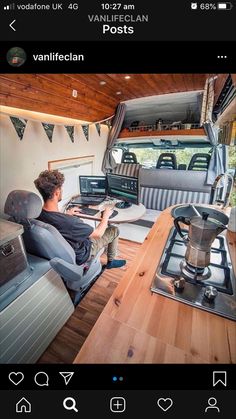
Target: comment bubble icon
41	379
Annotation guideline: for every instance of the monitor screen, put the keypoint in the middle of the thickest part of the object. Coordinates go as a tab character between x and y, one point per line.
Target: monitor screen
93	185
125	188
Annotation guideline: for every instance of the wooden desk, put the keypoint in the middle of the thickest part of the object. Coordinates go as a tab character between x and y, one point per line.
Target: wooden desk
127	215
138	326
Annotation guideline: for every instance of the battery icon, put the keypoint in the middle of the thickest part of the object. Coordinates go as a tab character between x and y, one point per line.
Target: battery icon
224	6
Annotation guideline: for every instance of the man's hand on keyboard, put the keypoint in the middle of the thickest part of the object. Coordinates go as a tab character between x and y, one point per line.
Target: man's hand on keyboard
73	211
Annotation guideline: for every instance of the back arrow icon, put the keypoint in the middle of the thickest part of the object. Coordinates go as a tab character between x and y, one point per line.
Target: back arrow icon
12	27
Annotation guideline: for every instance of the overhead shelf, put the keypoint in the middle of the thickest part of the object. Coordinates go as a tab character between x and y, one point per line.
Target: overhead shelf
126	133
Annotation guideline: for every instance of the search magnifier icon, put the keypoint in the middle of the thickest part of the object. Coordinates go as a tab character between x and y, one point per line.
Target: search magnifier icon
69	403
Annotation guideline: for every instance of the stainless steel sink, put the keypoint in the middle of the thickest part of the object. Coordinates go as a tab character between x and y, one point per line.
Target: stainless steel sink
186	210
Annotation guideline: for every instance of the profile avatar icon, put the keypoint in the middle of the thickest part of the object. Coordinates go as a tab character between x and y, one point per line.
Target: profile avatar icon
16	56
212	402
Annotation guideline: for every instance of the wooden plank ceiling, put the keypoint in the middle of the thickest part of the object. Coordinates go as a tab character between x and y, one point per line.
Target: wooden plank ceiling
96	100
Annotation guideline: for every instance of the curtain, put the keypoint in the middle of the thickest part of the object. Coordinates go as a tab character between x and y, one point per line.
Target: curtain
108	160
216	164
207	101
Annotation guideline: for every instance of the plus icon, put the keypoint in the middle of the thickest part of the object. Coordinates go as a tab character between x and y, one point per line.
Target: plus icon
117	404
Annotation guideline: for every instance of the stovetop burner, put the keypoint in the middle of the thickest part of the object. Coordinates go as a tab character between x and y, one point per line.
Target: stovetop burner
193	274
219	275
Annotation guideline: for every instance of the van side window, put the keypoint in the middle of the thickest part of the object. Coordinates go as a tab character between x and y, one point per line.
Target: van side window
117	154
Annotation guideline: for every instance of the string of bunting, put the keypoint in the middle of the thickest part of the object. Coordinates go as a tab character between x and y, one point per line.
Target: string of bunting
20	125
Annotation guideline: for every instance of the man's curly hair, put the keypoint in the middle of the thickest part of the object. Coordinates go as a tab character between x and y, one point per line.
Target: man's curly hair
47	182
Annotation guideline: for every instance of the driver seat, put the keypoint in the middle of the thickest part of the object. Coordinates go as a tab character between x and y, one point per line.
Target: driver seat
129	157
167	161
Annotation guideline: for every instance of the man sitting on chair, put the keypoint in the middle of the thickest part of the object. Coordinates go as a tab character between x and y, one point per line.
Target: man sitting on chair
85	240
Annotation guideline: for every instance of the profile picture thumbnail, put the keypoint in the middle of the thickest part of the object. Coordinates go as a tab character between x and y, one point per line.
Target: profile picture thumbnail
16	56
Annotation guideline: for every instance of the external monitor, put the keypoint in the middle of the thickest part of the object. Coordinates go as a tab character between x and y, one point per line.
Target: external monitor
125	188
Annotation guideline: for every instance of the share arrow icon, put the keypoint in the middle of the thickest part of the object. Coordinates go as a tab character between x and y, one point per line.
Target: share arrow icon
67	376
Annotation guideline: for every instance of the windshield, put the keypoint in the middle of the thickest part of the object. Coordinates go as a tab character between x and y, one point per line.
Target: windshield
148	156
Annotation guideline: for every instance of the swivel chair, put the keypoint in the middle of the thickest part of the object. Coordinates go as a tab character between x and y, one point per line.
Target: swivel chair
44	240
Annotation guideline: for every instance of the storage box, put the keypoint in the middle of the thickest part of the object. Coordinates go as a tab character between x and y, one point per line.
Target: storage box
13	258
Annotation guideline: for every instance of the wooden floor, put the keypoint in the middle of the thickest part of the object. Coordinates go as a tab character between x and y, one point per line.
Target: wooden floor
71	337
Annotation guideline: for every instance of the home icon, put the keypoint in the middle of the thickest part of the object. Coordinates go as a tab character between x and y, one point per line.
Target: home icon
23	406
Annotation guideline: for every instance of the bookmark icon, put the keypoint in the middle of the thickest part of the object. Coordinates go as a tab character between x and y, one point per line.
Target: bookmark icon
219	377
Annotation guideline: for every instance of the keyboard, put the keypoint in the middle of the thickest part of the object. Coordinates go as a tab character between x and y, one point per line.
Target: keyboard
89	200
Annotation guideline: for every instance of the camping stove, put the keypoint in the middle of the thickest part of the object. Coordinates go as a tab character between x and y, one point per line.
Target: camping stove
211	288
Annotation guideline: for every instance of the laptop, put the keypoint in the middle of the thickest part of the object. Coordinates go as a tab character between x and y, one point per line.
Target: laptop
93	190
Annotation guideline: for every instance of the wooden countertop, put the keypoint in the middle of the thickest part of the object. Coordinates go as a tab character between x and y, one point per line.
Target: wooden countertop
138	326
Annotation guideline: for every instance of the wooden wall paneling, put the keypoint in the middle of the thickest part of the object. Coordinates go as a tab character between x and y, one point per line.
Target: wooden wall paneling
119	83
234	79
27	91
189	84
131	88
94	92
39	106
178	84
164	84
44	88
145	87
65	90
199	81
149	82
109	89
91	82
219	84
53	92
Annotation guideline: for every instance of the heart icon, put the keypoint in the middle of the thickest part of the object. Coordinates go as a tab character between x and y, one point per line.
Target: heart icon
16	377
165	404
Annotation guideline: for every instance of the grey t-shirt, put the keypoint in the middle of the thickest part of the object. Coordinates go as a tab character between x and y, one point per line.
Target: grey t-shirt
73	229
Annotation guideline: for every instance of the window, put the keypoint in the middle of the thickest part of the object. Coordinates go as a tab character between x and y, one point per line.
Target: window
117	154
148	156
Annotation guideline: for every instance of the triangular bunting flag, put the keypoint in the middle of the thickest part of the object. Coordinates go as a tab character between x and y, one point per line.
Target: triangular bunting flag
108	123
49	130
86	131
19	125
98	126
70	129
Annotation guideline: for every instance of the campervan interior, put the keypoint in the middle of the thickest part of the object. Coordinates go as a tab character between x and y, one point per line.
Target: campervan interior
163	147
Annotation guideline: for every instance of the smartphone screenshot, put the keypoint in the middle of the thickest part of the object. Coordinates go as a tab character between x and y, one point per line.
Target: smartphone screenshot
117	209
